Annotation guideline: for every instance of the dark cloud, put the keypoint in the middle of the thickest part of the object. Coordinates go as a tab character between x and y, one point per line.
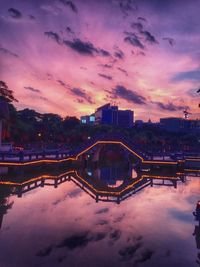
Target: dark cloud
123	70
54	36
32	17
43	98
8	52
70	4
145	256
134	41
103	210
85	48
144	34
118	53
63	84
115	235
104	53
140	53
127	6
82	94
149	37
193	75
81	240
171	41
74	193
108	66
127	253
142	19
69	30
75	241
131	96
170	106
105	76
34	90
14	13
45	252
137	25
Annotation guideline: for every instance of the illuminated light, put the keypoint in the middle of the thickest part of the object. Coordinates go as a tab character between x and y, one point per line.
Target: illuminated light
92	119
160	162
45	176
35	162
190	159
191	170
107	192
160	177
109	142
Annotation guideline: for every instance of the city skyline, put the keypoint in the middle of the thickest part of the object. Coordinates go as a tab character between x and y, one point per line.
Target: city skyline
71	57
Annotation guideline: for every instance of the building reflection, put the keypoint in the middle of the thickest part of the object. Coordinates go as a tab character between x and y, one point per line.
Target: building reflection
111	183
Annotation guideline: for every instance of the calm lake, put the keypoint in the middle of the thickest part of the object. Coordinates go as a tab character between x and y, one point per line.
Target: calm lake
108	216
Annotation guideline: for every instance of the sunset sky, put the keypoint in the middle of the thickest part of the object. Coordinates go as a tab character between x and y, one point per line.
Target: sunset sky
69	57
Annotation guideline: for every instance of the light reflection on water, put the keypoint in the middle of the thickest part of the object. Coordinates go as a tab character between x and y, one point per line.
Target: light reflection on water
65	226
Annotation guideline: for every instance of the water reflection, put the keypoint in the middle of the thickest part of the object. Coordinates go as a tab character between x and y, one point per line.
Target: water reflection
58	222
109	183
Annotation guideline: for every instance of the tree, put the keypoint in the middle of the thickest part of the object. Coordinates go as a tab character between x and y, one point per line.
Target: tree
6	94
198	92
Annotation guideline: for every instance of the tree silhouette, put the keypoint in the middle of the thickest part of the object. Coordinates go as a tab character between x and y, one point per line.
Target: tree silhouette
6	94
198	92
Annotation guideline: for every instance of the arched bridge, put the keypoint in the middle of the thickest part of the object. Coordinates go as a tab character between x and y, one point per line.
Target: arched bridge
133	149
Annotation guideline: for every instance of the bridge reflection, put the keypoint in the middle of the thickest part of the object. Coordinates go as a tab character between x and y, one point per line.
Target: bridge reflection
109	184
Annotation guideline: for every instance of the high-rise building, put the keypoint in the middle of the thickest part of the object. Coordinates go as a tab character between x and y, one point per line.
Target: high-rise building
110	115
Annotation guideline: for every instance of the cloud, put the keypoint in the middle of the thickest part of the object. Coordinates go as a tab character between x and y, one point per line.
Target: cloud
118	53
14	13
85	48
171	41
137	25
70	4
142	19
193	75
8	52
134	41
126	6
82	94
105	76
129	95
63	84
170	106
69	30
103	210
32	17
123	70
34	90
149	37
108	66
54	36
104	53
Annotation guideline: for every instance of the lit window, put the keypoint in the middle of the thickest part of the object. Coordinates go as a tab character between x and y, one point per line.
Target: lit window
83	120
92	118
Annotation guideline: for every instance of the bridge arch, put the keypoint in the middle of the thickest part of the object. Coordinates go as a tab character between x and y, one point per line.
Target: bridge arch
132	151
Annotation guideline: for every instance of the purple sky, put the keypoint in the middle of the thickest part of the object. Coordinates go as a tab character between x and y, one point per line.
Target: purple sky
69	57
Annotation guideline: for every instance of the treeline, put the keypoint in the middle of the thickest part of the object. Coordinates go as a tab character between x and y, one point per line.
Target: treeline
31	129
